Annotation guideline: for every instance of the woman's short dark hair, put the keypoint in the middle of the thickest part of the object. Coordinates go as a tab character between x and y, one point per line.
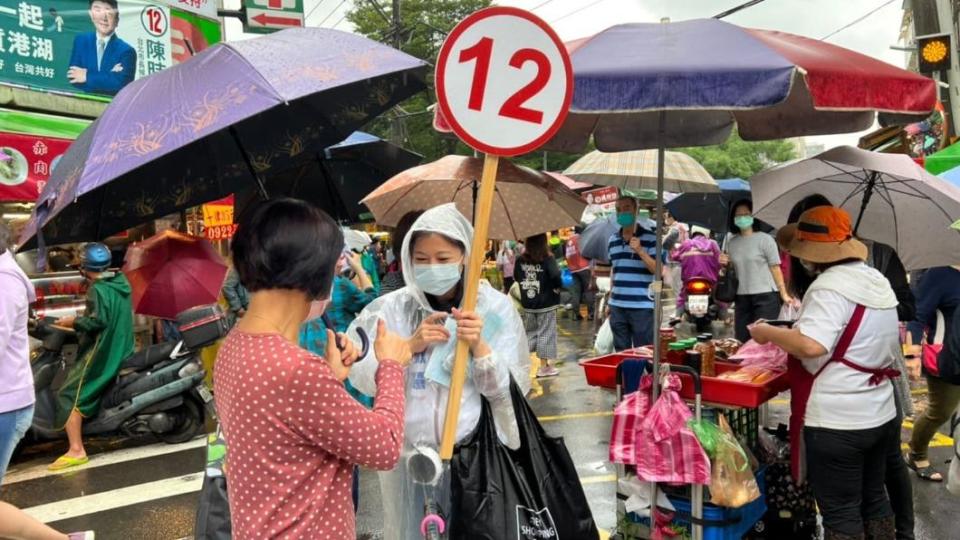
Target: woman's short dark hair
287	244
731	224
536	249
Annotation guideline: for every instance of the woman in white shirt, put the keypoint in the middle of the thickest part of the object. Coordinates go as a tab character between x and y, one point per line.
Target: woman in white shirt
842	348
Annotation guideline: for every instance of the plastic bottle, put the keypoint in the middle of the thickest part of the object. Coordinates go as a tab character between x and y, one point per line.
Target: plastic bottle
708	352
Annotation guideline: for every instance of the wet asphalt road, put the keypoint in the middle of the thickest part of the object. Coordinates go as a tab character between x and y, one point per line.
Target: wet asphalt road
142	489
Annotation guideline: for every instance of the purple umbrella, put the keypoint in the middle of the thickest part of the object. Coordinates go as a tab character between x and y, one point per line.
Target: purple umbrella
216	124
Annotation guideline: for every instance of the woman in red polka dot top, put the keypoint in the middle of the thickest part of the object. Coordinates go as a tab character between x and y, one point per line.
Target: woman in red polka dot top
294	433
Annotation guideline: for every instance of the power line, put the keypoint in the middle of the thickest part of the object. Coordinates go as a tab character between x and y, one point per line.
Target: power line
733	10
858	19
342	2
312	11
577	11
340	20
540	5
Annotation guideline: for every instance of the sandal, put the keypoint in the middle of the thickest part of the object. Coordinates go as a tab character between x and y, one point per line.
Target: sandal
67	462
926	472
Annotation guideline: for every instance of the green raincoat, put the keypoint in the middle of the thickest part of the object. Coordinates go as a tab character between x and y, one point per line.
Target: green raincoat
106	339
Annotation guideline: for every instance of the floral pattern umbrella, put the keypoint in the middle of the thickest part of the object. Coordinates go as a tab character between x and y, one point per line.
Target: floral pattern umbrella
216	124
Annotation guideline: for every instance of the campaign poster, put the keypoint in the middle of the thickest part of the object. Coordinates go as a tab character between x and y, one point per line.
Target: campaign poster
95	47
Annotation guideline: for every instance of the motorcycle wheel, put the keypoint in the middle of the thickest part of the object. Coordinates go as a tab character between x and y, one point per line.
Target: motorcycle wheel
188	420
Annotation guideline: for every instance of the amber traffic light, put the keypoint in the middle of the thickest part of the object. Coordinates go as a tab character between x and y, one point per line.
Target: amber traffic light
933	53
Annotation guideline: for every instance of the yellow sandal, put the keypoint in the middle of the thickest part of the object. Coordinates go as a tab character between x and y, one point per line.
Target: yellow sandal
66	462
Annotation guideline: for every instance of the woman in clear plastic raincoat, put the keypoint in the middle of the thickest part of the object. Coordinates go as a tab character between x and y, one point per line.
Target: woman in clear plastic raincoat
437	249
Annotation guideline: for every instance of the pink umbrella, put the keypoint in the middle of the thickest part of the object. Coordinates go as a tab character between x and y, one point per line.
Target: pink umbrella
173	272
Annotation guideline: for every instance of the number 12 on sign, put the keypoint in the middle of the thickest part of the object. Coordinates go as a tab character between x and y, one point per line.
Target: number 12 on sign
513	106
504	81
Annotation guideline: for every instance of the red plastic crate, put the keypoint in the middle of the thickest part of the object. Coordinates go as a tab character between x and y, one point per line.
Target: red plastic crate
734	393
602	370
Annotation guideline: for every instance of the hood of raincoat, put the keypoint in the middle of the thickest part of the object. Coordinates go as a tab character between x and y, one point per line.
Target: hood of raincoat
444	220
117	282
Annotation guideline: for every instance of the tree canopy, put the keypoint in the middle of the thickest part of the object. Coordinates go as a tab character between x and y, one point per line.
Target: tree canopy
737	158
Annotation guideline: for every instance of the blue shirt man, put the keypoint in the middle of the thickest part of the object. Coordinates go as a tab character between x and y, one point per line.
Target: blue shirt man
100	61
632	250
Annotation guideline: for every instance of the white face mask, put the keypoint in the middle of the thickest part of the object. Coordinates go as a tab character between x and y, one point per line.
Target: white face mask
436	279
810	267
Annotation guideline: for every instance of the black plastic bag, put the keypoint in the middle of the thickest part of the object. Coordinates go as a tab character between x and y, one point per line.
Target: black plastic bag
727	285
532	493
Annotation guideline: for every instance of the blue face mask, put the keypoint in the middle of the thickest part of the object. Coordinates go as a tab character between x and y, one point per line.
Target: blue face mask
626	219
436	279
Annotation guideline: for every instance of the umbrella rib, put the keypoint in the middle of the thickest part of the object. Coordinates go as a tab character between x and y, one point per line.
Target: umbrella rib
884	193
400	198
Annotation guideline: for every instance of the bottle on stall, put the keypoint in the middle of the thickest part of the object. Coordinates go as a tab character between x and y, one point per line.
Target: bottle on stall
667	337
675	353
708	351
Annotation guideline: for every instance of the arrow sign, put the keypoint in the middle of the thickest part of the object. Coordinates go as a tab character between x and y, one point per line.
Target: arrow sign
273	20
269	20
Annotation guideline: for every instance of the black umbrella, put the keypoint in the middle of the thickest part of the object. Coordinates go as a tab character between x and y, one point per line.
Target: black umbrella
341	176
710	210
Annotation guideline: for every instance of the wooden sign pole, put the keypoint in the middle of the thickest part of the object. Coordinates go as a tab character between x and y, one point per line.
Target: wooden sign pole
481	224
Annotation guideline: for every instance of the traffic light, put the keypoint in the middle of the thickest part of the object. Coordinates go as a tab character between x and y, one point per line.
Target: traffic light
933	53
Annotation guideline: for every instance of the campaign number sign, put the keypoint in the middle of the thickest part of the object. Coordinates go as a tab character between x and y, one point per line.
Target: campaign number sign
504	81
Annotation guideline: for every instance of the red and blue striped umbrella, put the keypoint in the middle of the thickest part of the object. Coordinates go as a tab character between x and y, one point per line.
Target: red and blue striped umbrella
707	75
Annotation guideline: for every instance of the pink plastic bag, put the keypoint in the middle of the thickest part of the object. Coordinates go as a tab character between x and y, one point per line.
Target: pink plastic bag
626	418
769	356
666	449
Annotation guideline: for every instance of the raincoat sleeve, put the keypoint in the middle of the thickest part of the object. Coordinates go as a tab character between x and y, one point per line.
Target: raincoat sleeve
391	309
508	341
91	322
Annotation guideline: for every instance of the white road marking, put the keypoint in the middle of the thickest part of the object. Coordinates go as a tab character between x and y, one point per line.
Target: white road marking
117	498
38	469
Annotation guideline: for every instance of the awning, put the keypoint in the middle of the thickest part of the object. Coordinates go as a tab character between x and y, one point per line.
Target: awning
43	125
944	160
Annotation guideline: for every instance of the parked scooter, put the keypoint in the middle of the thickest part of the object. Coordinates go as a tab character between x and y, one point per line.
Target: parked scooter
159	390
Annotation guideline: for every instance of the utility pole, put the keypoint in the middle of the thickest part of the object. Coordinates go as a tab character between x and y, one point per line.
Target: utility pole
396	131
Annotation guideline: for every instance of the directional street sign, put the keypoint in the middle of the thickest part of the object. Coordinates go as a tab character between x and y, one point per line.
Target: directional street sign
265	16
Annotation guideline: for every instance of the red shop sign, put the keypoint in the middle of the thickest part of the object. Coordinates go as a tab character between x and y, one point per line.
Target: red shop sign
25	164
604	195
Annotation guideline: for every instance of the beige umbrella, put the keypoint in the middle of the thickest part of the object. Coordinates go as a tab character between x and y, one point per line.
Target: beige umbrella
526	202
637	170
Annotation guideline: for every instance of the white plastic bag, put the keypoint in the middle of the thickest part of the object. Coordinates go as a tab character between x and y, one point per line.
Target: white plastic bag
603	344
789	312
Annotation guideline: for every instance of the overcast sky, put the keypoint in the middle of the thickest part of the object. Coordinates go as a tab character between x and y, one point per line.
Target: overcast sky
578	18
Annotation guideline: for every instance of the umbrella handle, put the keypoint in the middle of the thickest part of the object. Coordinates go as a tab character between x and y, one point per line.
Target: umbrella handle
364	339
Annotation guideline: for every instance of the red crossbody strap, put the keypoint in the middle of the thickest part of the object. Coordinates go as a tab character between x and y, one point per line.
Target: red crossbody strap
846	338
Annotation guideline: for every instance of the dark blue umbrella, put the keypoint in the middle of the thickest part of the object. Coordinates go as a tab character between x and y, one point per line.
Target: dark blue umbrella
595	239
217	124
340	177
710	210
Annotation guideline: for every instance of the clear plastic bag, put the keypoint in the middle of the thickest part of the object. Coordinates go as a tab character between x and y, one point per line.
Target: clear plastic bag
732	483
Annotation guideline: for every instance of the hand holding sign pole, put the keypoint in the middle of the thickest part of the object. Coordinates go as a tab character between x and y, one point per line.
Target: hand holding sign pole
504	83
